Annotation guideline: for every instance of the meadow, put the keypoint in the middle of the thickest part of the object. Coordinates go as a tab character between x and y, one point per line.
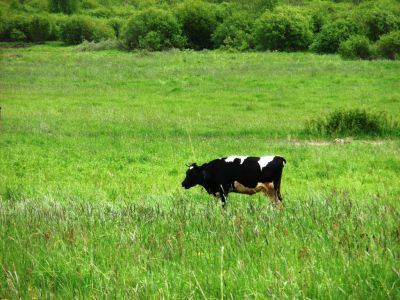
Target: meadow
93	147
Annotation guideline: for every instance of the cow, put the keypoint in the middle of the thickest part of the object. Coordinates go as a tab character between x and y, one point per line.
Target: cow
238	174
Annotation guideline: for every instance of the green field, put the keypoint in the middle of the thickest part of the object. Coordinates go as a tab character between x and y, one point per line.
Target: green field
93	147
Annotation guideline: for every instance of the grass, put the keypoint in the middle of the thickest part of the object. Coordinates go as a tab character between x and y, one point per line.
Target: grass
93	147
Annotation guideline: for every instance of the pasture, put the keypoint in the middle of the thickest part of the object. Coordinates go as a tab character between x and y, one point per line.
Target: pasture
93	147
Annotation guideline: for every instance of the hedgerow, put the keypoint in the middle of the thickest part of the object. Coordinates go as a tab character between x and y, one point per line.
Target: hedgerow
354	29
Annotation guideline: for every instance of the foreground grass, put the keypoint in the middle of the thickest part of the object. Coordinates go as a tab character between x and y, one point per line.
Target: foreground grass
333	247
93	149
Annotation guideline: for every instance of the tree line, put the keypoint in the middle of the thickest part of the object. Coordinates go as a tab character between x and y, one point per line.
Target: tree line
354	29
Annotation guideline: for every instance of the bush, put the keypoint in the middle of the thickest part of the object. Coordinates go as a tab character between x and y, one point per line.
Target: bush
357	46
235	32
198	22
352	122
388	45
14	28
79	28
332	34
64	6
116	24
378	22
39	29
286	30
153	29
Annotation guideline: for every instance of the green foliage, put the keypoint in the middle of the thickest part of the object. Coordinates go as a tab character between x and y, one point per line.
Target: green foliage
356	47
14	28
39	29
100	12
198	20
332	34
352	122
153	29
64	6
79	28
379	21
17	36
285	29
116	24
68	7
235	32
388	45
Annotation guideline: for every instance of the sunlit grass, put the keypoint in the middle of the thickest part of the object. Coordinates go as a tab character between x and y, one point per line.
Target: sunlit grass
93	148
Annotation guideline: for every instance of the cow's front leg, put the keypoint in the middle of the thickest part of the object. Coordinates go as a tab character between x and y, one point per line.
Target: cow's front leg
223	192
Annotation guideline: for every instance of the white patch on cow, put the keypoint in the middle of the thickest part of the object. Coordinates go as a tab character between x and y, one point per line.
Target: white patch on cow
264	160
232	158
190	167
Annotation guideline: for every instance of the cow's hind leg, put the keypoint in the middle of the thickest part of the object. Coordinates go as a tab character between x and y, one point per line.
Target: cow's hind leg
271	192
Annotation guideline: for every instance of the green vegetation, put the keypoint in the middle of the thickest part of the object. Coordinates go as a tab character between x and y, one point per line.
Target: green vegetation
357	46
259	25
354	122
93	147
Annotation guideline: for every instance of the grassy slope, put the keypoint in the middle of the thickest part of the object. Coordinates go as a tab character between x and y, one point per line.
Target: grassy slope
98	142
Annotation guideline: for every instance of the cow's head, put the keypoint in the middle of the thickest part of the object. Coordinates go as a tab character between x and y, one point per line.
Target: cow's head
193	176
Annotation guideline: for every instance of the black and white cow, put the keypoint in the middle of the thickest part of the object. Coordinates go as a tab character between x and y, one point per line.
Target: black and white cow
239	174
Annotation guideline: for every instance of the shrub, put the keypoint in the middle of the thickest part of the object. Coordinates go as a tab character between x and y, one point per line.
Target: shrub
357	46
286	30
332	34
79	28
198	22
116	24
64	6
14	28
378	22
17	36
153	29
235	32
388	45
352	122
39	29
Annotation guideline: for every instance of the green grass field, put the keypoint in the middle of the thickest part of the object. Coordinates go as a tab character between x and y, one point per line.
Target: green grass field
93	147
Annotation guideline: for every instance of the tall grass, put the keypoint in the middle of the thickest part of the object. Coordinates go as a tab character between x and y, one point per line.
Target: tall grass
331	247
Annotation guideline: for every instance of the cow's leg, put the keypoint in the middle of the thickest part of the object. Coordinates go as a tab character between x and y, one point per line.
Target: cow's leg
223	194
277	185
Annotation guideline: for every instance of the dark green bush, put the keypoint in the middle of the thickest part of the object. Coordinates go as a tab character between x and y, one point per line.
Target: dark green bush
153	29
64	6
39	29
79	28
198	22
356	47
352	122
284	29
14	28
332	34
388	45
378	22
235	32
